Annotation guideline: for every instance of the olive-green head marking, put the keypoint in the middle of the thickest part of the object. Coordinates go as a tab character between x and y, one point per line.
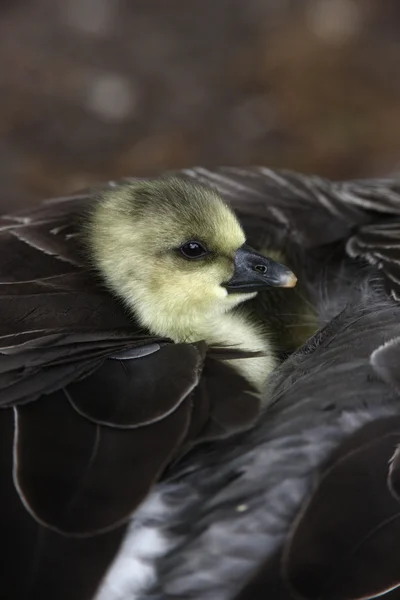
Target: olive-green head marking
170	249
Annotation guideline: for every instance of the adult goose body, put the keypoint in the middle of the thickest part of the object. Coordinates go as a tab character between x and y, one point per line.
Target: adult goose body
140	319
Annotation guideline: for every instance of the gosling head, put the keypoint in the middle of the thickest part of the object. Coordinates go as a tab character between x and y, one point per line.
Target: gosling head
176	255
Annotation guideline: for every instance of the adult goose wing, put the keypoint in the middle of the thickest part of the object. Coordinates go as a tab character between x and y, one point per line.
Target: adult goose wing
93	408
305	505
341	543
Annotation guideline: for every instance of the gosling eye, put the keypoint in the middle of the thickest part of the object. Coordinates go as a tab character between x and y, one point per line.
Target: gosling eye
193	250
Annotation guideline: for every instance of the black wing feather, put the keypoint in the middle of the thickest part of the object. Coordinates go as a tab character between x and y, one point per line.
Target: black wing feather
79	478
343	544
140	397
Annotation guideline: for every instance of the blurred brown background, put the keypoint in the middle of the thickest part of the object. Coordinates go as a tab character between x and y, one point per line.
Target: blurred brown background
97	89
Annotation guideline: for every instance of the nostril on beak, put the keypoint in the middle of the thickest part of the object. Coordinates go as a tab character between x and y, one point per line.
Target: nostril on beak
260	268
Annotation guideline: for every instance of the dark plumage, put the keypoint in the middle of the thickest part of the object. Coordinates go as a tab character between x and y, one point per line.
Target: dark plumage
82	463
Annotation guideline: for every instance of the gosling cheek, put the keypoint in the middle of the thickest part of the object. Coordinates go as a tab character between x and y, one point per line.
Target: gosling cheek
221	292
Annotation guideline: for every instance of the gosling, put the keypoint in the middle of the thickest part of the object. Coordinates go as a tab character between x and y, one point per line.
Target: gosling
176	255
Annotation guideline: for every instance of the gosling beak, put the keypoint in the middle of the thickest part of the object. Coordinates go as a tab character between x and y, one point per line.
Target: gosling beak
254	272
